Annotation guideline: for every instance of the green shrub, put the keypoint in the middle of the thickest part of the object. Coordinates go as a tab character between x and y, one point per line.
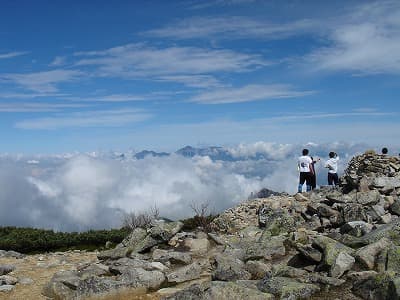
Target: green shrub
27	240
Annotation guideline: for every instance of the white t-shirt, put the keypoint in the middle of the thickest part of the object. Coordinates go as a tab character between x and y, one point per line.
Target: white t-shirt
332	164
304	163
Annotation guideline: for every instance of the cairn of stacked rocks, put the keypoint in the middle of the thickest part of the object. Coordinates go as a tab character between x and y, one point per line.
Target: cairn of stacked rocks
341	243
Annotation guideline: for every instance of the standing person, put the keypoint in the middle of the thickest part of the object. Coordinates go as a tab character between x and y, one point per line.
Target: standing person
313	173
304	166
332	165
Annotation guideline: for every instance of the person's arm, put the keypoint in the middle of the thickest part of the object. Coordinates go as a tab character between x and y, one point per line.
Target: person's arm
327	165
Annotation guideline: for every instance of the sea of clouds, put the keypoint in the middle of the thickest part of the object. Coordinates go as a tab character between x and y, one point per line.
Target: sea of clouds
87	191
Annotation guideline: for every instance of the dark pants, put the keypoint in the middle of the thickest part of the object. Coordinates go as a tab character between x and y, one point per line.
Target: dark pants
305	177
333	179
313	182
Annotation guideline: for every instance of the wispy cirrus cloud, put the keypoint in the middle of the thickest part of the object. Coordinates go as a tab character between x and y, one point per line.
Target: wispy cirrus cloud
58	61
253	92
36	107
233	27
206	4
16	95
195	81
141	61
110	98
42	82
102	118
366	41
12	54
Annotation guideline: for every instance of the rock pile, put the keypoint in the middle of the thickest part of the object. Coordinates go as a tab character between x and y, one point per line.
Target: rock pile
282	247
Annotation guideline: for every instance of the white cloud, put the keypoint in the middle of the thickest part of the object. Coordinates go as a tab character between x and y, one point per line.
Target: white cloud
42	82
84	192
112	98
248	93
367	41
233	27
58	61
12	54
15	95
206	4
36	107
107	118
196	81
140	61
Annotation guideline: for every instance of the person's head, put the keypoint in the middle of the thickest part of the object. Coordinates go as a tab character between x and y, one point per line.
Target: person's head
385	150
332	154
305	151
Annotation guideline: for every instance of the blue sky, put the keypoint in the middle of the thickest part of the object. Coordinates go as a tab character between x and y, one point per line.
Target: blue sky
162	74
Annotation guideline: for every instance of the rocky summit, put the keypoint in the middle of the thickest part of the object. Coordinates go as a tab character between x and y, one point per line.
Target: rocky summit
331	243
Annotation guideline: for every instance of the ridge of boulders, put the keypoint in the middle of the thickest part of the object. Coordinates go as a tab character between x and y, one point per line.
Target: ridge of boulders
333	241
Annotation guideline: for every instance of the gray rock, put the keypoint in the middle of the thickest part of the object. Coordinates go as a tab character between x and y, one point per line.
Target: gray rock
140	278
171	256
165	230
331	249
5	269
381	286
268	249
192	292
390	231
317	278
368	198
344	262
6	288
62	285
376	212
386	218
8	280
287	271
94	270
96	285
386	182
217	239
368	254
11	253
309	252
395	207
354	212
287	288
229	268
257	269
234	291
116	253
136	236
186	273
119	266
356	228
197	246
326	211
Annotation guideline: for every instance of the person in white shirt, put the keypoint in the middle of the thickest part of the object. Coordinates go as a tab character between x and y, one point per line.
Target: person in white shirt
305	168
332	165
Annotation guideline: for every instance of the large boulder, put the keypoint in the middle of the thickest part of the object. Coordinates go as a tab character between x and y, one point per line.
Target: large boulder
368	254
377	287
140	278
229	268
174	257
234	291
287	288
5	269
186	273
